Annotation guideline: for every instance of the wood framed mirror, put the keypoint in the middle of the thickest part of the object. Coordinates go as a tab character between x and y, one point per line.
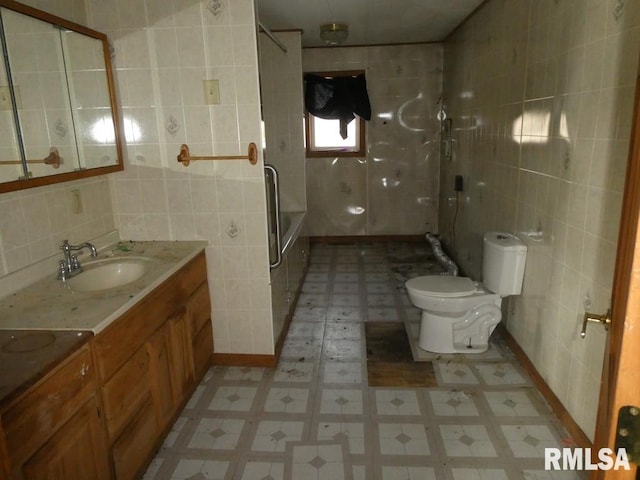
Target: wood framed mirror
58	110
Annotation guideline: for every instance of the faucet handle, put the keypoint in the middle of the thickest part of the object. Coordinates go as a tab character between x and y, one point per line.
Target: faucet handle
62	270
75	263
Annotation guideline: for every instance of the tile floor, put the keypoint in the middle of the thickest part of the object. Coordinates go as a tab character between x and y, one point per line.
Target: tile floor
314	417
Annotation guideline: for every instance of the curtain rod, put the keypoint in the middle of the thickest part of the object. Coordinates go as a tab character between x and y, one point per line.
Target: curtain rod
269	34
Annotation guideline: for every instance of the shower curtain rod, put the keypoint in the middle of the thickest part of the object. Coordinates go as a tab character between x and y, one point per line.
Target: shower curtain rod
269	34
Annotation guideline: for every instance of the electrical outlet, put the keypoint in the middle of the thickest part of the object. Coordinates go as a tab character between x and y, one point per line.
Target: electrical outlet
211	92
457	183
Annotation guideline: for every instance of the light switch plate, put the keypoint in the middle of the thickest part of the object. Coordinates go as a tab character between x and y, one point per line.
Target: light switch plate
211	92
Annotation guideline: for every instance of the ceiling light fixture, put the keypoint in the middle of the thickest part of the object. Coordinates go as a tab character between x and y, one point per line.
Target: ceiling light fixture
334	33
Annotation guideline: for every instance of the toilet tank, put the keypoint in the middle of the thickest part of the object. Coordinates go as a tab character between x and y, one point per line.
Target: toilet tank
503	259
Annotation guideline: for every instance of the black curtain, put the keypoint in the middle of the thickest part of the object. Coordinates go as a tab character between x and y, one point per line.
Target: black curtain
337	98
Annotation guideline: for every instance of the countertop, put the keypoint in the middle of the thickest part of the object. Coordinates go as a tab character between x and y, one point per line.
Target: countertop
26	356
50	304
43	323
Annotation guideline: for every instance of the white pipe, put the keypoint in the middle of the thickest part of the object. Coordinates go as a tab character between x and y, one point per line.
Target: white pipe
443	259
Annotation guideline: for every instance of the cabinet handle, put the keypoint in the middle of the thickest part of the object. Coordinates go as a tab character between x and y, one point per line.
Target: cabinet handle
84	370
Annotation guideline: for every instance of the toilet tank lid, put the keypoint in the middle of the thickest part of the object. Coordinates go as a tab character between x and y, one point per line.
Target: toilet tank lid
442	285
504	241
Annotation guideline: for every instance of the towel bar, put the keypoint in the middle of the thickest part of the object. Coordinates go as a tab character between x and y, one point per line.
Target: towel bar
52	159
185	158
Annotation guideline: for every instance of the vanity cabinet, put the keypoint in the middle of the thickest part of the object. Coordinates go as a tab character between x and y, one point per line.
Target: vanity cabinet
76	452
55	429
149	362
110	400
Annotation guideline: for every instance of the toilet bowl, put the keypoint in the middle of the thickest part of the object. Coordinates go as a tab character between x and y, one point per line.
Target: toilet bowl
458	314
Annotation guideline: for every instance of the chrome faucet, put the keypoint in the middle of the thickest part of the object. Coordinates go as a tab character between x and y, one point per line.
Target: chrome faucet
70	266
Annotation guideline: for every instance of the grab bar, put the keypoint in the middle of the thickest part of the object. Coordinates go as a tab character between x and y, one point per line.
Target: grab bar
275	212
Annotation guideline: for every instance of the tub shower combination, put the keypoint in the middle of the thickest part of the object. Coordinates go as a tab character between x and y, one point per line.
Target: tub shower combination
288	254
284	227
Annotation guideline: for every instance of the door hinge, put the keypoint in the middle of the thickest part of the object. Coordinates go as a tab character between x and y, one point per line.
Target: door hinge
628	432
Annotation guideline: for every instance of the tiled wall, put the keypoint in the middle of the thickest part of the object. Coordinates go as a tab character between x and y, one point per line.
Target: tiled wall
163	52
283	110
74	10
34	222
394	190
541	97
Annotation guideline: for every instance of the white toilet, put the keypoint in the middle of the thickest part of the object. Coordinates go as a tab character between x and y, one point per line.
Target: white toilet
458	314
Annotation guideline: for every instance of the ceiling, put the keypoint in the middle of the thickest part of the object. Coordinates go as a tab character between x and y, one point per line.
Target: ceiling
371	22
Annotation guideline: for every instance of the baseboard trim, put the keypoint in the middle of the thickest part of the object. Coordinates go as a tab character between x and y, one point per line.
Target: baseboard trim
554	402
243	360
338	239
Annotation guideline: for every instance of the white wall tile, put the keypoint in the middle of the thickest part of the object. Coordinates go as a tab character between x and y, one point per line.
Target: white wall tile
394	190
569	176
182	44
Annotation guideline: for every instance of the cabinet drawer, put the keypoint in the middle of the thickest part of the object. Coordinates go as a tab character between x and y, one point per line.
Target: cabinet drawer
35	416
123	394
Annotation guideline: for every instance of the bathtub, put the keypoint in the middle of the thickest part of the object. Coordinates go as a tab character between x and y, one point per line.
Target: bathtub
287	274
290	227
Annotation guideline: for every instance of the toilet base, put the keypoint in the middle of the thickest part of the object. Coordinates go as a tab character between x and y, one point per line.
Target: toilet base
466	334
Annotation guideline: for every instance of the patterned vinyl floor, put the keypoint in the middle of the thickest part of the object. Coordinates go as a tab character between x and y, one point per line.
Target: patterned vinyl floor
314	416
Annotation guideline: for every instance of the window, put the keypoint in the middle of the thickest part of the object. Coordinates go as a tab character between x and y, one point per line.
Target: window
322	136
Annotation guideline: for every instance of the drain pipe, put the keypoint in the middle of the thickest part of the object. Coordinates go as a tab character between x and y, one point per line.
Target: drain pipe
443	259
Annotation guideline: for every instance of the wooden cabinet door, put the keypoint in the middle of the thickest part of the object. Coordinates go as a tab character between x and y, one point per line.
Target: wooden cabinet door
199	311
182	369
202	350
134	449
125	392
159	351
78	451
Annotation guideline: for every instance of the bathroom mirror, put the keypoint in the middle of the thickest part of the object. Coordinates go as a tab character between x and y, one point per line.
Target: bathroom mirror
58	112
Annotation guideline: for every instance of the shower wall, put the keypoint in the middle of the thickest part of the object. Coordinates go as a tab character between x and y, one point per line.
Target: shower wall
541	97
282	114
394	189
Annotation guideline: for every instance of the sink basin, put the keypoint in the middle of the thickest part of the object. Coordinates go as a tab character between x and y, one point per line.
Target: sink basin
111	273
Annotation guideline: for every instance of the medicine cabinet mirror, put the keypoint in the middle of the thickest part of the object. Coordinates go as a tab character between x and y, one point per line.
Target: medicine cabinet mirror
58	114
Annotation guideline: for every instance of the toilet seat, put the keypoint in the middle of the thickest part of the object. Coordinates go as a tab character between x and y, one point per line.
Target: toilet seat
444	286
